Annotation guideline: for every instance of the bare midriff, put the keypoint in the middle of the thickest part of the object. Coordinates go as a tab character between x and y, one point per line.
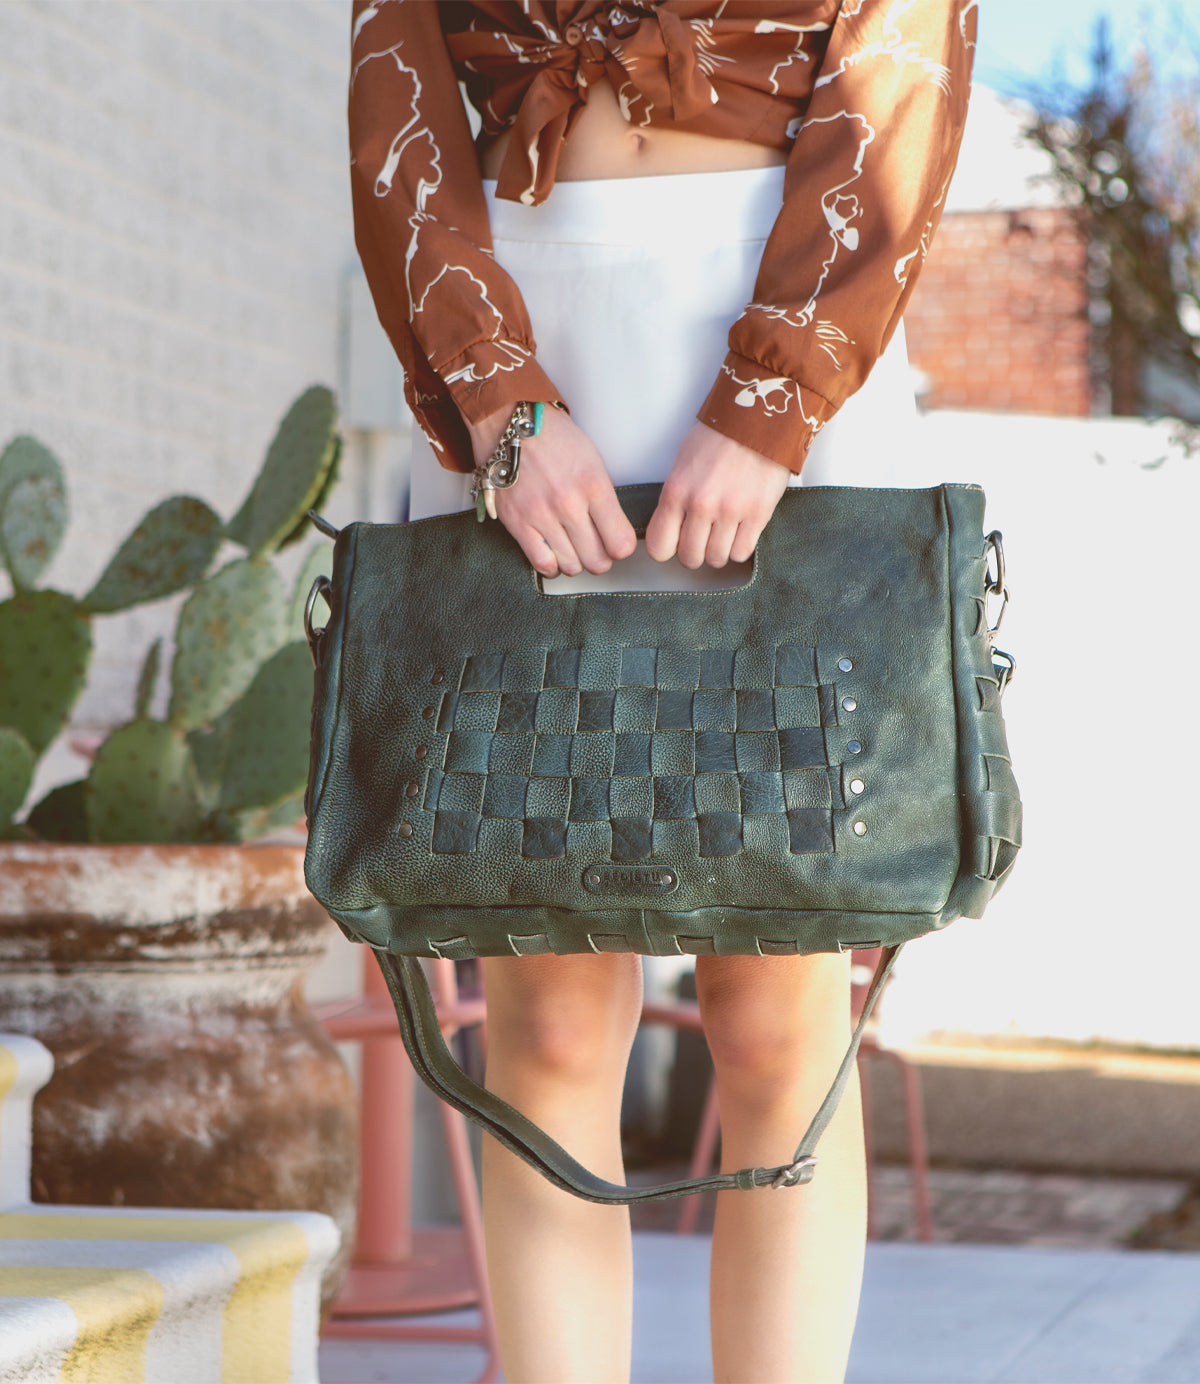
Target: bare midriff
603	144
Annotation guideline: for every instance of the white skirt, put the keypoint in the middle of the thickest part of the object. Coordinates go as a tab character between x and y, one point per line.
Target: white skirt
631	286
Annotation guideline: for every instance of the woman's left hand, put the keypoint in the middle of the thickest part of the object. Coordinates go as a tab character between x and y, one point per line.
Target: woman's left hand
715	502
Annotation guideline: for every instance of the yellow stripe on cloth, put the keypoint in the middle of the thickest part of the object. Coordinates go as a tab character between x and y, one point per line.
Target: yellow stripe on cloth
258	1315
9	1067
115	1308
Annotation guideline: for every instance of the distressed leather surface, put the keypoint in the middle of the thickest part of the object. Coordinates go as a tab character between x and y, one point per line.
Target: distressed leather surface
496	771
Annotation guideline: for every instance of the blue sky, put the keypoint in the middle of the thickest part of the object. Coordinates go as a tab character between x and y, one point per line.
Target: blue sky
1022	40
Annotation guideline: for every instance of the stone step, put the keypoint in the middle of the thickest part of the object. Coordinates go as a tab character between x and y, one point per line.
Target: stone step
1089	1110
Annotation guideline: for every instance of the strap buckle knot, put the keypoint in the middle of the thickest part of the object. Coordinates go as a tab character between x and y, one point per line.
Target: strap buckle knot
800	1171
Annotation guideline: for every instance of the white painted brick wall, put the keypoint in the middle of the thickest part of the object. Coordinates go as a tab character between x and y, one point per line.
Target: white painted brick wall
175	246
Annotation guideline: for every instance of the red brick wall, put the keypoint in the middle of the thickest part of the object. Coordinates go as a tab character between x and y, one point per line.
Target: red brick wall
998	319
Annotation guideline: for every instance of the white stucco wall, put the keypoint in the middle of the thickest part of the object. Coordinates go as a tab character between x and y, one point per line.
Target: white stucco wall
1094	936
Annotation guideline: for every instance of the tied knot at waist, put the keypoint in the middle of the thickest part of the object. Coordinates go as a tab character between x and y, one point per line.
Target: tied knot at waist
540	85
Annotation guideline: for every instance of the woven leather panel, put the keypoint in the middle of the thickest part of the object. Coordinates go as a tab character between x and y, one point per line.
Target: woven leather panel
669	746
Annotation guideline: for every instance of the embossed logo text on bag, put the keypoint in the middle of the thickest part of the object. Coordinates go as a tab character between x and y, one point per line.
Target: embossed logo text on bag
630	879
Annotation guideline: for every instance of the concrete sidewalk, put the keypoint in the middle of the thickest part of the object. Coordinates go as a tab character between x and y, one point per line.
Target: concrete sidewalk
931	1314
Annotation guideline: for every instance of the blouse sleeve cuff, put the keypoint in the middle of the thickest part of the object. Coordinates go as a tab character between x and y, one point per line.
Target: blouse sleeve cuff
495	376
771	414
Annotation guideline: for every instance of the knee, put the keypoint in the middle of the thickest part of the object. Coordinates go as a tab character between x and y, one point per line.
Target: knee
766	1026
559	1044
751	1049
565	1031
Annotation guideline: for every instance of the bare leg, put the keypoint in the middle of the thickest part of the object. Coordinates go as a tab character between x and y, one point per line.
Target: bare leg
786	1263
561	1269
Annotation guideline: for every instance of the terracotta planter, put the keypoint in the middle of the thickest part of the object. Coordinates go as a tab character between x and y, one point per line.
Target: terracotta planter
188	1069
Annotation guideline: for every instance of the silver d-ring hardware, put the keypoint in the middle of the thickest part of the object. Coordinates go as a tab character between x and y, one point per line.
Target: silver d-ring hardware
320	587
996	583
995	541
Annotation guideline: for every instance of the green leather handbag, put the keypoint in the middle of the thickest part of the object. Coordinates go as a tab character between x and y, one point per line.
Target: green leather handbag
814	761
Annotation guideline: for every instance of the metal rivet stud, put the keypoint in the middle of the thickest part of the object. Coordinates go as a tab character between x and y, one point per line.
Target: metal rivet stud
427	713
860	828
405	830
421	751
593	880
411	790
845	665
667	877
857	785
439	677
854	746
849	704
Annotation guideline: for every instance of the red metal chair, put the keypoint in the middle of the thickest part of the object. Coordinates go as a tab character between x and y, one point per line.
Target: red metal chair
397	1270
863	965
686	1015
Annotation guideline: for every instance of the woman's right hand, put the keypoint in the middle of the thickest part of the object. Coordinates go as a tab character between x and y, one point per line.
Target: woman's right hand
562	509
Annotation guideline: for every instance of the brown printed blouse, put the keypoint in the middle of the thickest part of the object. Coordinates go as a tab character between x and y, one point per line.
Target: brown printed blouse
866	98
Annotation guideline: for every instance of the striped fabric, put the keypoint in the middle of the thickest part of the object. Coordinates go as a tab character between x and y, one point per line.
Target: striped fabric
121	1296
114	1295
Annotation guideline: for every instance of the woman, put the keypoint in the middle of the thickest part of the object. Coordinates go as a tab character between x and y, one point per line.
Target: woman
657	168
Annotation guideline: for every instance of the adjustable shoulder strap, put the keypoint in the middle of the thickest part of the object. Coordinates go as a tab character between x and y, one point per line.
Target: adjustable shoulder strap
438	1069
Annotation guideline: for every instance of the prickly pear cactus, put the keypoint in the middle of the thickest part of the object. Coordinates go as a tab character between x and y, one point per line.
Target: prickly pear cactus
147	681
170	548
300	464
303	523
267	761
33	509
210	749
45	647
230	760
142	786
16	774
230	624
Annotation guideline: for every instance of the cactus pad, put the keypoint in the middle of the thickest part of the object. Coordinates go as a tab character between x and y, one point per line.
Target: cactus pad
60	816
142	786
298	465
32	522
147	681
16	773
45	648
210	749
33	509
317	502
228	627
170	548
268	750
